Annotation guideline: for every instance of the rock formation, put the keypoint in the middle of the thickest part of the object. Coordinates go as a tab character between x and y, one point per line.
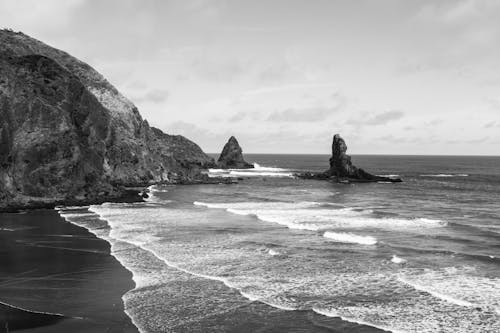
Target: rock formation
232	156
66	134
342	169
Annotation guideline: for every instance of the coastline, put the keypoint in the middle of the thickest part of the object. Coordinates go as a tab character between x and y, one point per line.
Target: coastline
58	277
132	193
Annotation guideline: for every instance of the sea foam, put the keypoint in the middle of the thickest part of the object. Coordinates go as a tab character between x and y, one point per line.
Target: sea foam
350	238
316	216
256	171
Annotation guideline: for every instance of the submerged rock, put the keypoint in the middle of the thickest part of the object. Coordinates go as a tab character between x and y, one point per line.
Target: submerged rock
342	169
68	135
232	156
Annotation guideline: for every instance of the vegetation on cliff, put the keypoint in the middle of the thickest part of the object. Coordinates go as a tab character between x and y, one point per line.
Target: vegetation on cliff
67	134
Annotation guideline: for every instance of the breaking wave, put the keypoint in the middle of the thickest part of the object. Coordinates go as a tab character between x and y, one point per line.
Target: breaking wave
257	171
314	216
445	175
350	238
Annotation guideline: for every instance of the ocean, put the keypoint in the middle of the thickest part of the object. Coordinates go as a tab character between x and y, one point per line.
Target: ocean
278	254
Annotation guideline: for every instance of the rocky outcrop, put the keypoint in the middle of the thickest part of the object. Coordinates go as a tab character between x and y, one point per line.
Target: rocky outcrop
67	135
232	156
342	169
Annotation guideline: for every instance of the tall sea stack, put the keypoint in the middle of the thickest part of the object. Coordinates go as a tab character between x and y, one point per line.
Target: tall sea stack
232	156
68	135
342	169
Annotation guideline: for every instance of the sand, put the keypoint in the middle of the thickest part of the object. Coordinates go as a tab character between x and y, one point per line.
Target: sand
57	277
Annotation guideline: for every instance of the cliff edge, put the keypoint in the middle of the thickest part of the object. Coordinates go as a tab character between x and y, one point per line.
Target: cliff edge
68	135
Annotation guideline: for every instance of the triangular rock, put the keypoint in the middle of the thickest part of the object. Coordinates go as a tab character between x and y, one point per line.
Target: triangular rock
232	156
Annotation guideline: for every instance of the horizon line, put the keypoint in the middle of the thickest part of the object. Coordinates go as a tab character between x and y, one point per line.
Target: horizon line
364	154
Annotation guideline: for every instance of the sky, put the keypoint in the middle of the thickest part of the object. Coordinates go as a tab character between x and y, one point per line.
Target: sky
392	77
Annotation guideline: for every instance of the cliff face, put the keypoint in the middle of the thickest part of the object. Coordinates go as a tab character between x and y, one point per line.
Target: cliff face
232	156
342	168
67	133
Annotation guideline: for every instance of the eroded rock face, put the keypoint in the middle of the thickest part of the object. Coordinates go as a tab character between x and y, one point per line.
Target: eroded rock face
67	134
341	165
232	156
342	169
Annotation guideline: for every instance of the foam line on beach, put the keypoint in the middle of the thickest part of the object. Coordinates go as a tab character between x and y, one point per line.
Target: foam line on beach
225	281
108	239
111	240
444	297
335	314
38	312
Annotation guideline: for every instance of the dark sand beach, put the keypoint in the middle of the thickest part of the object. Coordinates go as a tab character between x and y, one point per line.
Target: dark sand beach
57	277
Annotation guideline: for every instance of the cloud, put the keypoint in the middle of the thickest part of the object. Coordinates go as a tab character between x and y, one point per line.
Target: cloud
309	114
34	15
491	124
457	12
434	122
470	141
238	116
155	96
378	119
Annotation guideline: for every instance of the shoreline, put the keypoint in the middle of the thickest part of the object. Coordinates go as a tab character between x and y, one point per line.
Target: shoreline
135	193
58	277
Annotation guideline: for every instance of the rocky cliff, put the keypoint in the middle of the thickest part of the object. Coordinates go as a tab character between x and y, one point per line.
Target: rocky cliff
232	156
342	169
66	134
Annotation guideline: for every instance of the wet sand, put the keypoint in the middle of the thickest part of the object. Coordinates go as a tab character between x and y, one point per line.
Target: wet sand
57	277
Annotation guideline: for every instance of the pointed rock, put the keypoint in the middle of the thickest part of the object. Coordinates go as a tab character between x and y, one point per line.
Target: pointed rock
232	156
342	168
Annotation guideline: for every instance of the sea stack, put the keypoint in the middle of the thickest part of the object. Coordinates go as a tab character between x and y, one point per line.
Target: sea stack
232	156
342	169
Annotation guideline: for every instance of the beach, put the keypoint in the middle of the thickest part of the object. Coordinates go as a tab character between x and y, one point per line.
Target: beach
58	277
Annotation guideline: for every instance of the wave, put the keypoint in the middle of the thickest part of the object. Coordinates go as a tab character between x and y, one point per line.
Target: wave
274	252
257	171
263	168
389	176
313	216
434	293
243	173
226	281
460	286
445	175
259	205
397	260
335	314
280	289
82	220
350	238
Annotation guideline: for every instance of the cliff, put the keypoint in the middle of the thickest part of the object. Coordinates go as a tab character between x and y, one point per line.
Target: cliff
341	167
66	134
231	156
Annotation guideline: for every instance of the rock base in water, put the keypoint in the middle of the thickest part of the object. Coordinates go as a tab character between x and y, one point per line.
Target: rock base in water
232	156
342	170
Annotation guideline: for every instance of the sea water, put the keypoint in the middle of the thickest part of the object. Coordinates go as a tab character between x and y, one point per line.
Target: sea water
417	256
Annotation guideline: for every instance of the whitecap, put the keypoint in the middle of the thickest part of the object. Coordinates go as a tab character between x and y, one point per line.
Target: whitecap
350	238
262	168
397	260
273	252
